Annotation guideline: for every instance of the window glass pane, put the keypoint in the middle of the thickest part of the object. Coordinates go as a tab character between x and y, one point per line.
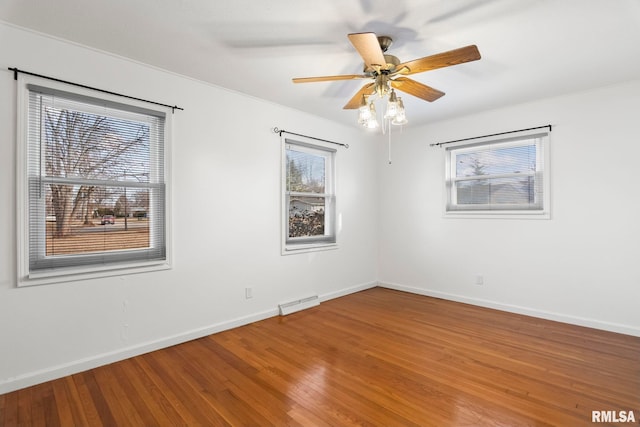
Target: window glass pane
496	191
85	145
495	161
305	172
306	216
101	219
309	207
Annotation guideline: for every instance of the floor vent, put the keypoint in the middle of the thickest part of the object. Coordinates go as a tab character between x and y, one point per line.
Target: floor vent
297	305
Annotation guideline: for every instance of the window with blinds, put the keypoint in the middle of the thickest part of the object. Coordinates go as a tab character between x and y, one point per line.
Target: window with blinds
498	177
309	197
95	184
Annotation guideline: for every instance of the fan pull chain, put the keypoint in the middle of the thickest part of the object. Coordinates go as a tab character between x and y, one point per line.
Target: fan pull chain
389	143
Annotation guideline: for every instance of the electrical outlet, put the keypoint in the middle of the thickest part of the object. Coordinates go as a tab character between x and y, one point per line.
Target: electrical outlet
479	280
248	293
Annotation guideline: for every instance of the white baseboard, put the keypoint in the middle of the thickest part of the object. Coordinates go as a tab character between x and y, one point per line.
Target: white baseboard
54	372
542	314
347	291
76	366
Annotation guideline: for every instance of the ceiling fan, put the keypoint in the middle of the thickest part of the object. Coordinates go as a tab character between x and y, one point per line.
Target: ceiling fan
388	73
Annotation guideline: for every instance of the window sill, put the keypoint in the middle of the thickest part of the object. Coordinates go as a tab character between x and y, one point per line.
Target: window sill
72	275
497	215
317	247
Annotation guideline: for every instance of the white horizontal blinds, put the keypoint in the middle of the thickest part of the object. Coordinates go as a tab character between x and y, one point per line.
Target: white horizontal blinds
497	175
309	194
96	182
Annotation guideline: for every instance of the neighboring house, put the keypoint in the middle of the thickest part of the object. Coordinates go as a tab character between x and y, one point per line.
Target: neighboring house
496	194
301	206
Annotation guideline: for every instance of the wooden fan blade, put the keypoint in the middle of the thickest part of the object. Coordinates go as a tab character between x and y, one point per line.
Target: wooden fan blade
354	103
368	47
440	60
329	78
415	88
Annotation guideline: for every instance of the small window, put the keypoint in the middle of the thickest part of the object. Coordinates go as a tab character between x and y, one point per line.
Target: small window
93	188
309	198
498	177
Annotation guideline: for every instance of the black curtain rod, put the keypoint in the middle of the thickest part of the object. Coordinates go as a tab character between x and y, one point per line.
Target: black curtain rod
281	131
15	77
486	136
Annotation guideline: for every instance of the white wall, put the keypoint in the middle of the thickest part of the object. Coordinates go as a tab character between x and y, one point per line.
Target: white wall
226	223
582	266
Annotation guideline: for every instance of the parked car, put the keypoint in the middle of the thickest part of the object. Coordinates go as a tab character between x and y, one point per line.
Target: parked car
108	219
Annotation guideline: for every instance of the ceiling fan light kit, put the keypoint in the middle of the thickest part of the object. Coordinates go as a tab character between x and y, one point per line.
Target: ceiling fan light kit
400	117
367	114
387	73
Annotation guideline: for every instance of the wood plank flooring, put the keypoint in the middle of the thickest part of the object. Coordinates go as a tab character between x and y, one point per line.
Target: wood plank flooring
375	358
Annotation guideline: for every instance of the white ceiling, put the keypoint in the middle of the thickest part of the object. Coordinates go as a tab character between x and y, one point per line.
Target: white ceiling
530	49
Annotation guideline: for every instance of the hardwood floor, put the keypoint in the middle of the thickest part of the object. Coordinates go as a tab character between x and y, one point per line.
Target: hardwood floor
375	358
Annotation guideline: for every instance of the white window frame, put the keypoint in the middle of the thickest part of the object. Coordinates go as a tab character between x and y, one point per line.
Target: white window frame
67	274
329	239
539	210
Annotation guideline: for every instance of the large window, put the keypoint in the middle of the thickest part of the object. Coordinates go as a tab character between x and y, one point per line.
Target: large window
93	190
309	196
498	177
